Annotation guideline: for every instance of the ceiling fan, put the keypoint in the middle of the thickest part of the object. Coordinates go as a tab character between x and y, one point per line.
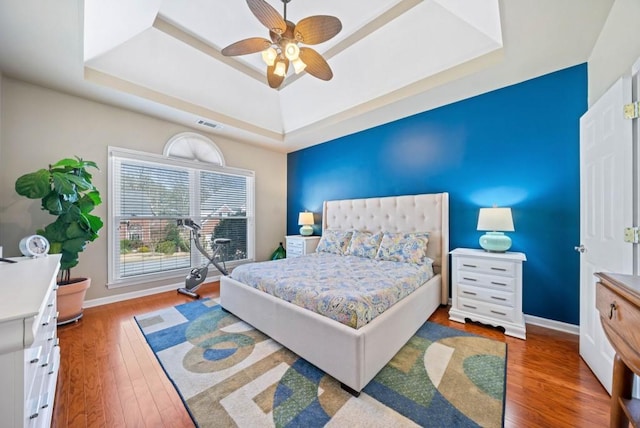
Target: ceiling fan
283	47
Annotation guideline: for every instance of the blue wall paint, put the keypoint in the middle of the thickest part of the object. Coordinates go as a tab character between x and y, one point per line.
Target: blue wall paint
517	146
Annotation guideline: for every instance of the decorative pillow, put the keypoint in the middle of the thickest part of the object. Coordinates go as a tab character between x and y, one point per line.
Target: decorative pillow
364	244
404	247
334	241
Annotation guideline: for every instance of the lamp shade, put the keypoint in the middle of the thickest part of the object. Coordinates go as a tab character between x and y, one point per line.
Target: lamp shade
495	219
305	220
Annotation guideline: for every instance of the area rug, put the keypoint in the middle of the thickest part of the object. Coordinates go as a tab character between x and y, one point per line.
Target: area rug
230	374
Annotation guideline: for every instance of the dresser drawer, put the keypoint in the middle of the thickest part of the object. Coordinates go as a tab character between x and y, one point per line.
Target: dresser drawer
486	295
486	266
488	310
483	280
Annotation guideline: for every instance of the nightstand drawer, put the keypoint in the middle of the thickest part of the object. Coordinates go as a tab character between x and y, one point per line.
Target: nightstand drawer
486	295
486	309
295	244
298	245
294	252
617	315
483	280
490	267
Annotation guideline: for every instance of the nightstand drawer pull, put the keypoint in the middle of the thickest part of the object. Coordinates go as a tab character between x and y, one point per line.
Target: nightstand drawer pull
470	293
612	307
469	279
498	283
471	266
498	313
500	269
470	307
502	299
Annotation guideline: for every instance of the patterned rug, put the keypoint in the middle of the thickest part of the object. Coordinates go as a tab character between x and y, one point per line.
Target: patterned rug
229	374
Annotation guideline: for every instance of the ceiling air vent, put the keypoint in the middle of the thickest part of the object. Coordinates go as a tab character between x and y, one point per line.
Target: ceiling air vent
209	124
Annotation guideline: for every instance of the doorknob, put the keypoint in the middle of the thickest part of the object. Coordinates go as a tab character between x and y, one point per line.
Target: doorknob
581	248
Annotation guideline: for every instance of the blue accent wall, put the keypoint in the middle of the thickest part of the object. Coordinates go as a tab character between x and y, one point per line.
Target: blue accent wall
516	147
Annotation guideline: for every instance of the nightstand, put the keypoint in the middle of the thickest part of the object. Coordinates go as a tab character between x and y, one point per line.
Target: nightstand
298	245
487	287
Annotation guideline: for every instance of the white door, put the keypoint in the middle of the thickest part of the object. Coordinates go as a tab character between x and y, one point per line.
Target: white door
606	208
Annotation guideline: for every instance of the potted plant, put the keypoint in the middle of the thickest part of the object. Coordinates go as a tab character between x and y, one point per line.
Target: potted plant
66	192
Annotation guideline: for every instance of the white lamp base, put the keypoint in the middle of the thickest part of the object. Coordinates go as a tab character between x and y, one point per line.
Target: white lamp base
495	242
306	230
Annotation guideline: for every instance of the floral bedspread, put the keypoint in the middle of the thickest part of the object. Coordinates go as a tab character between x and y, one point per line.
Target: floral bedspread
351	290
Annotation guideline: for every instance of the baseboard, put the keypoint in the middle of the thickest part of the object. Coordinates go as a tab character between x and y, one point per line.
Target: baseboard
547	323
552	324
131	295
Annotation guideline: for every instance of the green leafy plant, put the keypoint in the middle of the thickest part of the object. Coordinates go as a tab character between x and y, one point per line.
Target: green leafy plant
66	191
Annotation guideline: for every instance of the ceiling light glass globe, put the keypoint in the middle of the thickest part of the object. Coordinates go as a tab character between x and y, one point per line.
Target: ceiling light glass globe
280	69
291	51
299	65
269	56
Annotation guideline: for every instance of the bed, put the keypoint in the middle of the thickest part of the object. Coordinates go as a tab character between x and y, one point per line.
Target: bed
353	356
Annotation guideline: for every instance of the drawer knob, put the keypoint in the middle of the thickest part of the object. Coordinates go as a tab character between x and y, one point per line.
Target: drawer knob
612	307
467	265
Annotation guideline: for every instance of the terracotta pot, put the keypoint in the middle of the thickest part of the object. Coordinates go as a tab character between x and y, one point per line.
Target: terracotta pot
70	300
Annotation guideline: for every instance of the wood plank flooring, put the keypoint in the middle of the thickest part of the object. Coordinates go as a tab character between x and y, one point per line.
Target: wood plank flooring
110	378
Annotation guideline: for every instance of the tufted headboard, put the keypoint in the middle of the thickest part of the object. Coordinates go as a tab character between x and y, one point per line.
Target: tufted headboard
408	213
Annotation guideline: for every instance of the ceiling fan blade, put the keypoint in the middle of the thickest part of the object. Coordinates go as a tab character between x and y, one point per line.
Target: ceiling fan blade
317	29
246	46
274	80
266	14
316	64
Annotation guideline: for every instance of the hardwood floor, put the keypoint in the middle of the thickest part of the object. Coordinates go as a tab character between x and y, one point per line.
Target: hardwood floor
110	378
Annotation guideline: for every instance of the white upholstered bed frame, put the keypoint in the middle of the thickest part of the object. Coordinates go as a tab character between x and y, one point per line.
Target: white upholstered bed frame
355	356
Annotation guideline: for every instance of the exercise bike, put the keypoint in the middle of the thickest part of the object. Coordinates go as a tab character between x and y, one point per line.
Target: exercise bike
196	277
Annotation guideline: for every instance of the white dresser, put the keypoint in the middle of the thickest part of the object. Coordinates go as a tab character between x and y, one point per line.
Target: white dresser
298	245
487	287
29	351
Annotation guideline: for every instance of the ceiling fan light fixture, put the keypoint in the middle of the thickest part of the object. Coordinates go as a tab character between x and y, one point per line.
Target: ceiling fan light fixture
280	69
269	56
291	51
298	65
281	49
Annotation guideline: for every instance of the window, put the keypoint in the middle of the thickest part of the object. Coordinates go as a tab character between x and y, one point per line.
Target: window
149	193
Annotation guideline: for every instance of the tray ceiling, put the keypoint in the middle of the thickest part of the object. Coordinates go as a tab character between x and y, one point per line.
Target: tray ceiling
393	58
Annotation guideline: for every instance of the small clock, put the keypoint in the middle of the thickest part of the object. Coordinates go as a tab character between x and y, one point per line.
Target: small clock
34	246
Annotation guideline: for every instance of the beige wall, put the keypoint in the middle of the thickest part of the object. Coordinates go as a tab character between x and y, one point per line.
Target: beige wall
616	49
42	126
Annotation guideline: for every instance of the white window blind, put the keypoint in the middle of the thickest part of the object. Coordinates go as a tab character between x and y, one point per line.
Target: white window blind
148	194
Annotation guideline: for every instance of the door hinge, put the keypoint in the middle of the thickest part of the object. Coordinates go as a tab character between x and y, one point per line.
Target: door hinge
632	235
632	111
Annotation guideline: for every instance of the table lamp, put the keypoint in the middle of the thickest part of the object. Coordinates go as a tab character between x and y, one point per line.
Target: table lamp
495	221
305	220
